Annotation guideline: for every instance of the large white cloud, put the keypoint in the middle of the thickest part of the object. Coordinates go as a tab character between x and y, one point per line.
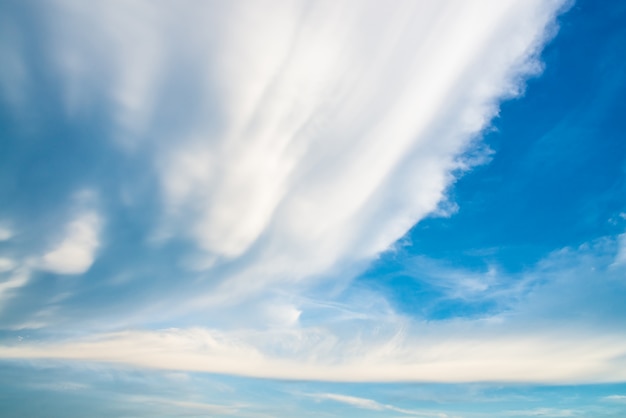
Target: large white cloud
341	125
295	140
293	137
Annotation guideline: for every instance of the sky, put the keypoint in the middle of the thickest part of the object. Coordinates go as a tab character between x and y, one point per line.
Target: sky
282	209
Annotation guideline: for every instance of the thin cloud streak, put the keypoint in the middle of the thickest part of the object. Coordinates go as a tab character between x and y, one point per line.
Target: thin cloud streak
371	404
615	398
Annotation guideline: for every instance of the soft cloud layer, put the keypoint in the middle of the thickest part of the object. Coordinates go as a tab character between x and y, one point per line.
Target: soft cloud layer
452	353
313	136
276	151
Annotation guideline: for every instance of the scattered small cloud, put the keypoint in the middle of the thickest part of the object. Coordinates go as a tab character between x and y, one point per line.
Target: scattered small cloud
76	251
6	264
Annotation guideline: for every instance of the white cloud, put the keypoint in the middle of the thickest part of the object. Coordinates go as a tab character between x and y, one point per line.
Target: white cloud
281	314
370	404
310	140
351	400
574	338
5	233
314	135
329	154
6	264
620	258
454	352
13	278
75	253
460	284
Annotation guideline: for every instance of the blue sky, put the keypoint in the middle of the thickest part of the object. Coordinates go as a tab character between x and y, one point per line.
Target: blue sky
317	209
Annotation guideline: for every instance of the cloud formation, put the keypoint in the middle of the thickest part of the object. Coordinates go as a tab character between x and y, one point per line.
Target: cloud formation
534	339
314	135
425	355
371	404
279	150
75	253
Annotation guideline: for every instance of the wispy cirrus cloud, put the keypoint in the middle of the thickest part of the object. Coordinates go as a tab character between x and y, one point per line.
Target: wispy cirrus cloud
279	149
477	352
364	403
615	398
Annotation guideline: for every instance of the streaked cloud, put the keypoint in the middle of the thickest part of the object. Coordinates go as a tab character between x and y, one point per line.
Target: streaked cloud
428	354
364	403
312	141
